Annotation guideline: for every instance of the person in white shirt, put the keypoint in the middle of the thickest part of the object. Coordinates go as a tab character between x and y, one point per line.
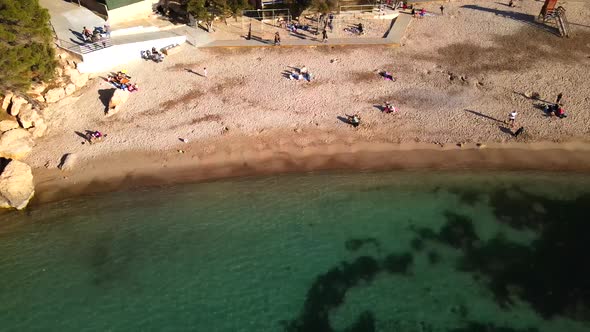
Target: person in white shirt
512	118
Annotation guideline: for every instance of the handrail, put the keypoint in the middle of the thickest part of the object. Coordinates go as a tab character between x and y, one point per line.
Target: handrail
86	47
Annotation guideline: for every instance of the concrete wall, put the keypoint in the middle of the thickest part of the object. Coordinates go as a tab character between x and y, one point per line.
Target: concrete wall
138	10
119	55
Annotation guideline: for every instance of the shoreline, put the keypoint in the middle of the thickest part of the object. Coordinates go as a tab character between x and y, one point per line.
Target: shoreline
253	156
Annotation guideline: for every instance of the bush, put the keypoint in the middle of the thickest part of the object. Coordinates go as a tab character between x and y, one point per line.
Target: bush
25	44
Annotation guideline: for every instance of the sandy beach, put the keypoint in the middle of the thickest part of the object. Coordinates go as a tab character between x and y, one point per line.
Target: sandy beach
457	78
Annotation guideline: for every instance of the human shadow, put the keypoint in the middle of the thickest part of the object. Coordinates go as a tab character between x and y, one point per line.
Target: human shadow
520	17
105	96
484	116
193	72
78	35
381	108
286	74
261	40
533	97
343	119
84	136
506	130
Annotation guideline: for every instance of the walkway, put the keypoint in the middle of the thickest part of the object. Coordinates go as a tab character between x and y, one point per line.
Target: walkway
393	38
68	19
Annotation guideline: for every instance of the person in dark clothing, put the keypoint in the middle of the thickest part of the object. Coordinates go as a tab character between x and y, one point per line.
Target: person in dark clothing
277	39
442	9
324	36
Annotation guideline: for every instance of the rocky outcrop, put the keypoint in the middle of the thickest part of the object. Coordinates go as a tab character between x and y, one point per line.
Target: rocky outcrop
70	88
16	184
68	161
16	144
78	79
117	100
55	94
6	125
39	129
28	117
6	101
17	103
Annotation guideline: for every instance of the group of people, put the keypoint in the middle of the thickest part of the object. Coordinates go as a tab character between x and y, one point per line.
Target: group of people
153	55
358	29
97	34
122	81
301	73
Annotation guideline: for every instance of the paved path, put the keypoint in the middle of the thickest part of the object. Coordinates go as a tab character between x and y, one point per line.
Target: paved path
67	17
393	38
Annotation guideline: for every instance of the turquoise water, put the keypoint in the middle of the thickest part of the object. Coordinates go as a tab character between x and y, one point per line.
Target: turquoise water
405	251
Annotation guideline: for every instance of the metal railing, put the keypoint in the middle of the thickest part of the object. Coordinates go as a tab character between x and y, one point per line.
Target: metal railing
84	48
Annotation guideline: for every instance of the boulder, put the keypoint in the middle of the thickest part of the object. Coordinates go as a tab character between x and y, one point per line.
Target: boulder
54	95
37	97
70	88
28	116
16	184
17	103
76	77
6	125
39	129
119	98
38	88
68	161
16	144
7	99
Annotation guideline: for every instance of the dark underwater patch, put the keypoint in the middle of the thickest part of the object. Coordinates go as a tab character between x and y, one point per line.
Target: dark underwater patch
356	244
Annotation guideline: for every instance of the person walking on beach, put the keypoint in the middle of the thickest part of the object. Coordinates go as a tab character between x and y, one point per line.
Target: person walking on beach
442	9
324	36
277	39
559	96
205	72
512	118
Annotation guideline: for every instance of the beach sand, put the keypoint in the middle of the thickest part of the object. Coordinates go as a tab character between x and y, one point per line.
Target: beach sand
457	78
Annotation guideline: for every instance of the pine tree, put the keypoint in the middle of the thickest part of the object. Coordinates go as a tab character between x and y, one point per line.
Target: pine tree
26	54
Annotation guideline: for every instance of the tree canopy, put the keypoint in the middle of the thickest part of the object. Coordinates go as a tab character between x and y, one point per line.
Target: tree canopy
26	54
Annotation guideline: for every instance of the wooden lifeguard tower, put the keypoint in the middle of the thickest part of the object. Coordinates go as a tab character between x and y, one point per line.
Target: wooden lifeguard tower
553	13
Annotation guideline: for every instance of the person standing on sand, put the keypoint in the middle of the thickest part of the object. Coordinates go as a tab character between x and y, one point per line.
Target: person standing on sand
277	39
205	72
324	36
442	9
512	118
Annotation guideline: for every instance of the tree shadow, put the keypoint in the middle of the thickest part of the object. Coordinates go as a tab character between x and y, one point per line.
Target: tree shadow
484	116
105	96
520	17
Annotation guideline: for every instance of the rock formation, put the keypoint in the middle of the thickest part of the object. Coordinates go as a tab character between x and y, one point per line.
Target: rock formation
55	94
67	161
16	184
15	144
119	98
6	125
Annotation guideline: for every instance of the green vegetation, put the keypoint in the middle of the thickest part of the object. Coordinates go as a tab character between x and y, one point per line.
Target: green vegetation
207	10
25	44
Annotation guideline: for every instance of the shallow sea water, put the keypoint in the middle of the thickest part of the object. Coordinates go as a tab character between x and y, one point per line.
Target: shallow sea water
399	251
